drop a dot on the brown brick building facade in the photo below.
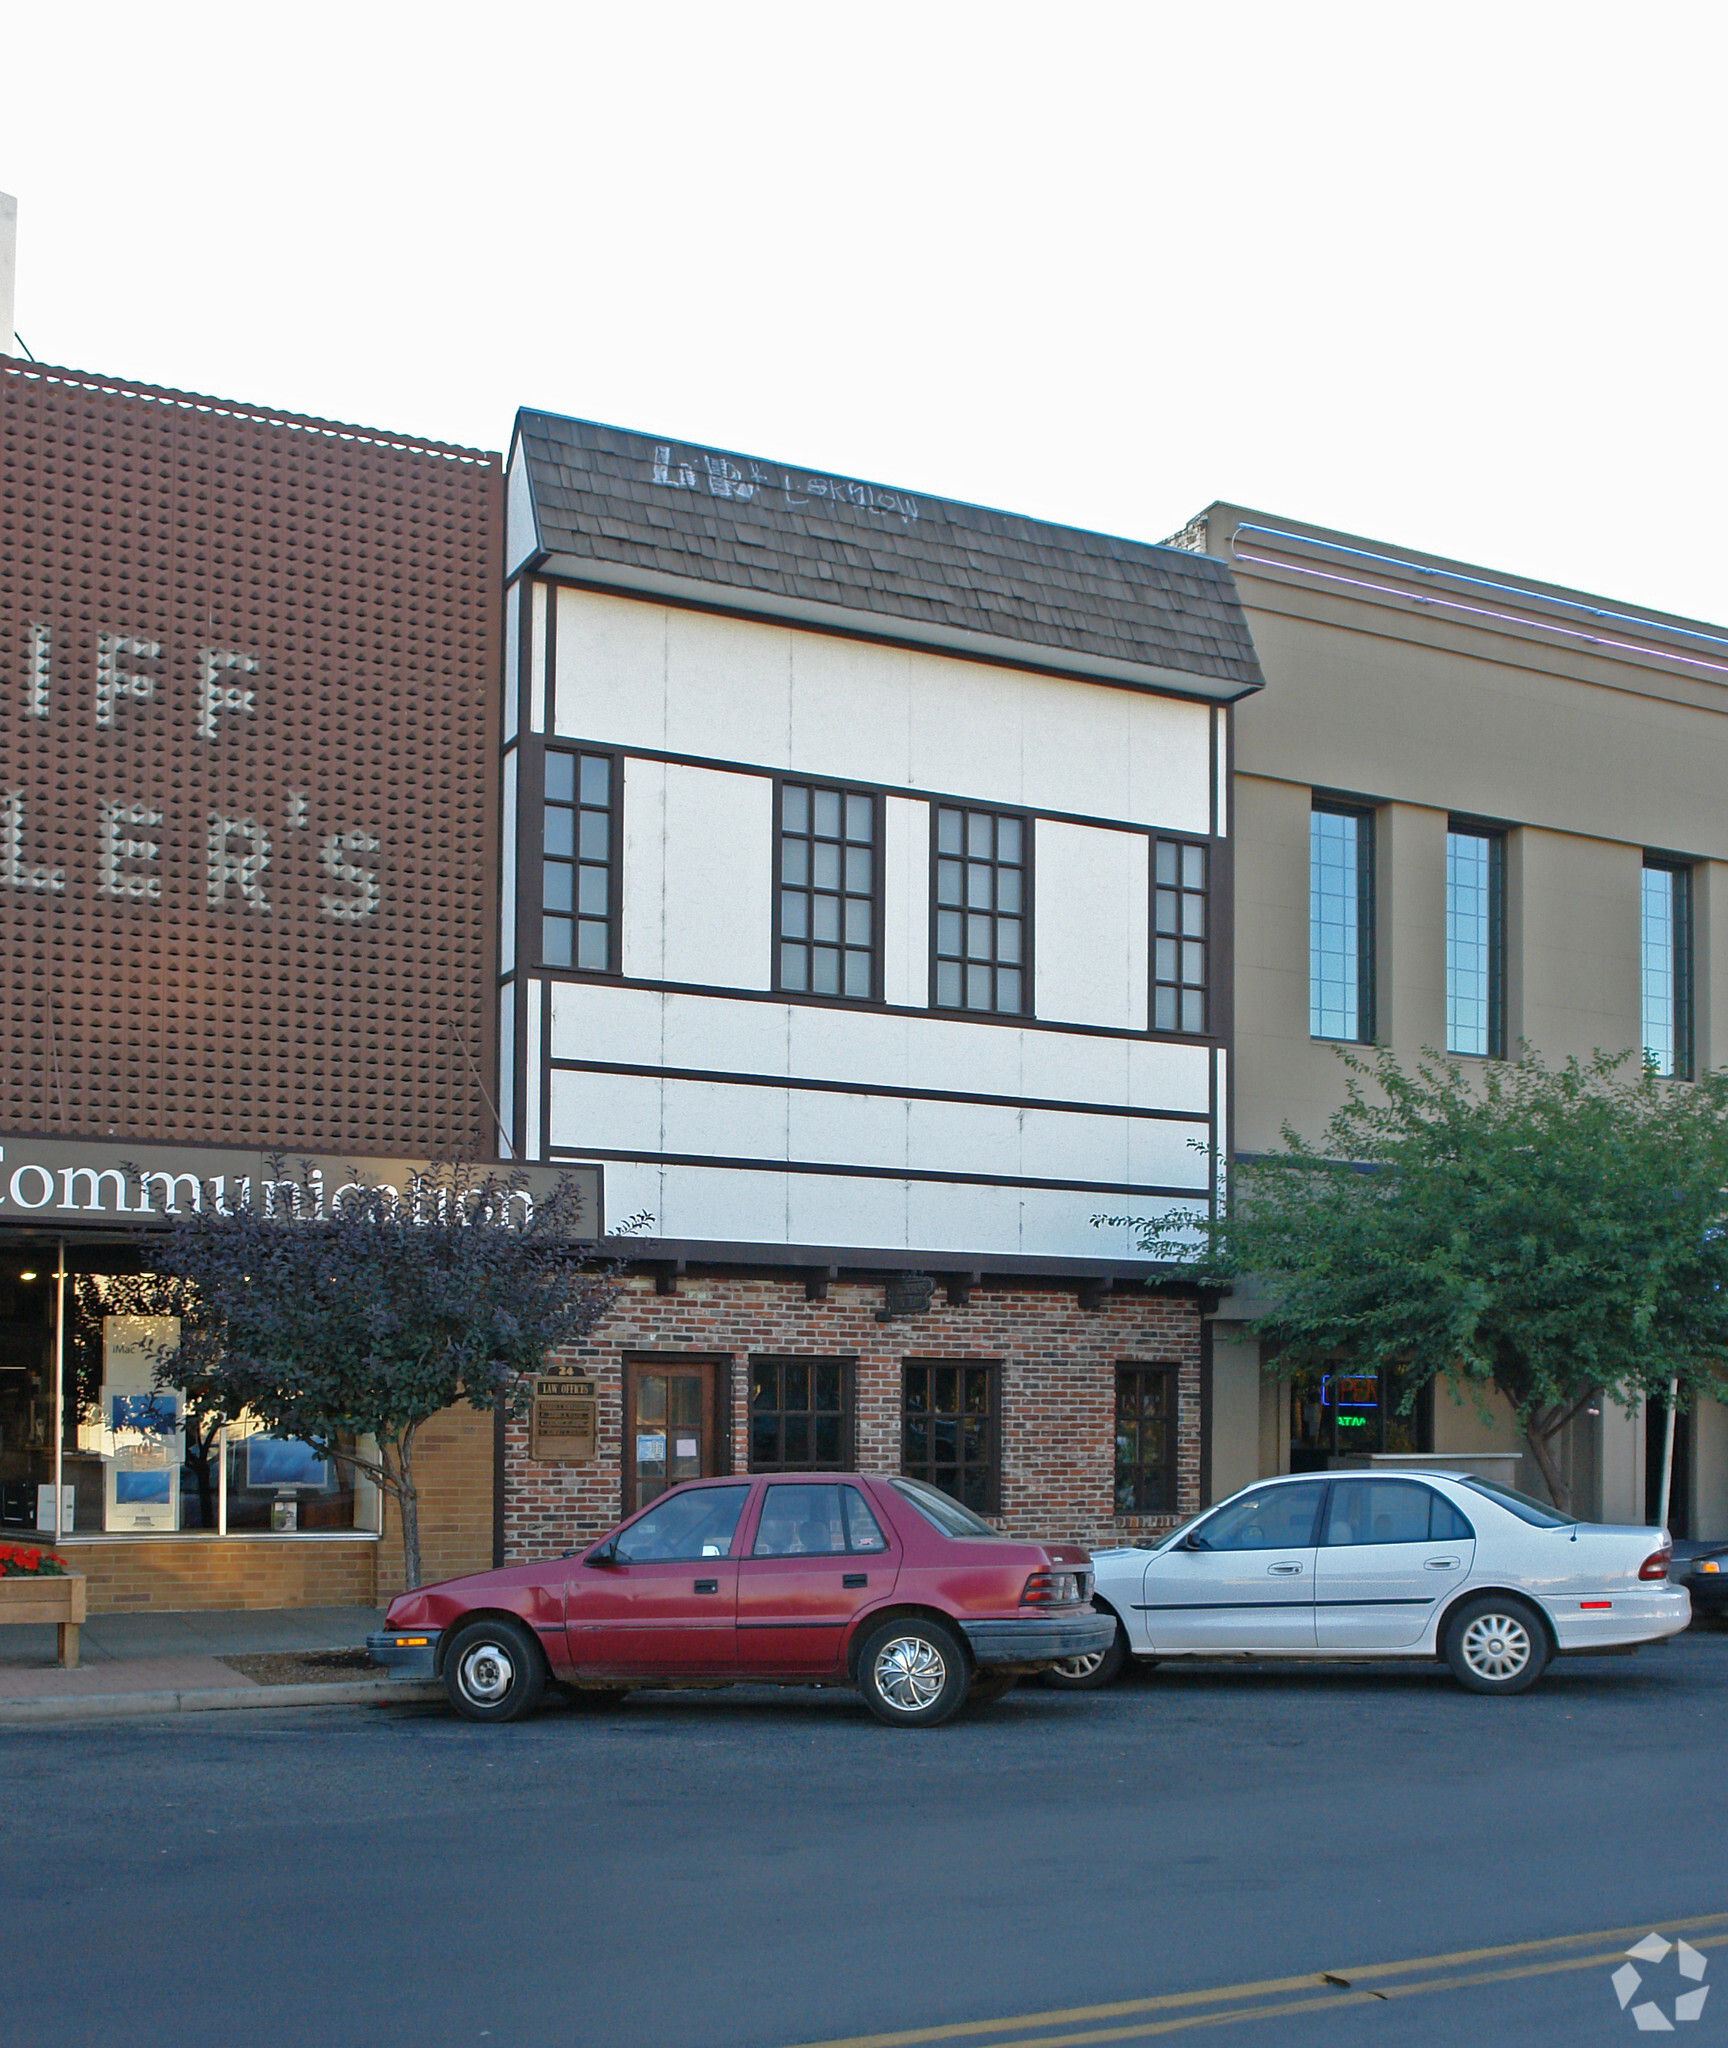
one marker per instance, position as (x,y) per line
(248,885)
(1058,1363)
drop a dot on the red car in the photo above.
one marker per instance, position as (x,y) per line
(838,1578)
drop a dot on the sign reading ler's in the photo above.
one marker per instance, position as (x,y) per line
(81,1182)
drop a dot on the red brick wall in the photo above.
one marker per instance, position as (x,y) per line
(1058,1392)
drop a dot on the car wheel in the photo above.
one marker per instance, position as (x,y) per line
(493,1671)
(1097,1668)
(1495,1643)
(986,1690)
(912,1673)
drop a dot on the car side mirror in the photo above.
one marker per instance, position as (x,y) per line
(1194,1542)
(606,1554)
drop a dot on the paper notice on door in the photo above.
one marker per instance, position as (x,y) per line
(650,1450)
(686,1447)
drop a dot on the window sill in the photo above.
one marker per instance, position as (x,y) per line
(91,1538)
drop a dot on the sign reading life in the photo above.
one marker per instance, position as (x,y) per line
(127,668)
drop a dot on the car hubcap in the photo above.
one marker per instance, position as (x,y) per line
(1496,1646)
(1081,1667)
(486,1673)
(910,1673)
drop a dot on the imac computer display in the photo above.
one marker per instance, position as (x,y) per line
(285,1461)
(149,1488)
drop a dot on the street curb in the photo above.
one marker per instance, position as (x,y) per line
(216,1699)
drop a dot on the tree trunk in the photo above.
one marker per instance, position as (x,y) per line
(1543,1432)
(1544,1428)
(408,1506)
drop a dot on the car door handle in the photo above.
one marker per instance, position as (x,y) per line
(1289,1570)
(1440,1564)
(855,1579)
(707,1585)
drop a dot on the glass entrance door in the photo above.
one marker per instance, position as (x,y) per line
(672,1427)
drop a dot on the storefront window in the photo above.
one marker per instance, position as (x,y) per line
(136,1457)
(1339,1417)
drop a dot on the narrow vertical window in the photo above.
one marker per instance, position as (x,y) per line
(948,1430)
(1146,1439)
(983,910)
(1341,923)
(579,844)
(828,921)
(1667,967)
(1178,936)
(1475,942)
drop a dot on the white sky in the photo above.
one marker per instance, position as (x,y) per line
(1448,276)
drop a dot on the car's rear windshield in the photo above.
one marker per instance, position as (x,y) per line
(1538,1513)
(942,1510)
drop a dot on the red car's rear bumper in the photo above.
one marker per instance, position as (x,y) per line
(1040,1638)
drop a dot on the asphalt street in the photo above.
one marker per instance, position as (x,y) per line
(756,1869)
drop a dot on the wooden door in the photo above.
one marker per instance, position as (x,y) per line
(673,1427)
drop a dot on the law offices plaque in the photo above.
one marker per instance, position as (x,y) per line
(563,1422)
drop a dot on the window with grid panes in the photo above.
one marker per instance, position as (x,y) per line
(1178,936)
(1666,957)
(576,870)
(800,1415)
(827,890)
(983,910)
(1145,1440)
(948,1430)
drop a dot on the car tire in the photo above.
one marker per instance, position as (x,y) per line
(912,1673)
(1091,1673)
(988,1687)
(1497,1643)
(493,1670)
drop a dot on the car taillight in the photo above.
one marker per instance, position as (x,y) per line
(1655,1566)
(1051,1589)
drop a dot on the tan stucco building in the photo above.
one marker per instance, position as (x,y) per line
(1470,809)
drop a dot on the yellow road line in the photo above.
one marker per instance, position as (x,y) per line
(1269,1987)
(1230,2015)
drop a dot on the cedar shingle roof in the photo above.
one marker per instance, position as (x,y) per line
(771,533)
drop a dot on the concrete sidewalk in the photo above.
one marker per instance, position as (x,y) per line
(174,1664)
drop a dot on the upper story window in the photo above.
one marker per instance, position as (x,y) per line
(1666,957)
(1178,936)
(579,881)
(828,897)
(1475,941)
(1341,923)
(983,910)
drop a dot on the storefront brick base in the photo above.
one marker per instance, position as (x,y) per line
(1058,1390)
(175,1573)
(167,1574)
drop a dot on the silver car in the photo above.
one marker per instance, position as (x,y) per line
(1369,1564)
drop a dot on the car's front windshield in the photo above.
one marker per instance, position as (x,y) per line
(1538,1513)
(942,1510)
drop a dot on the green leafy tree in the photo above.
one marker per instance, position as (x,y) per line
(1554,1233)
(350,1324)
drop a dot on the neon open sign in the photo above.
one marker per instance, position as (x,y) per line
(1350,1390)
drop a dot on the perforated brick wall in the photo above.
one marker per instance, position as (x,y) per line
(247,754)
(1058,1392)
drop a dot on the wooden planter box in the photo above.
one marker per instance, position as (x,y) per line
(59,1600)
